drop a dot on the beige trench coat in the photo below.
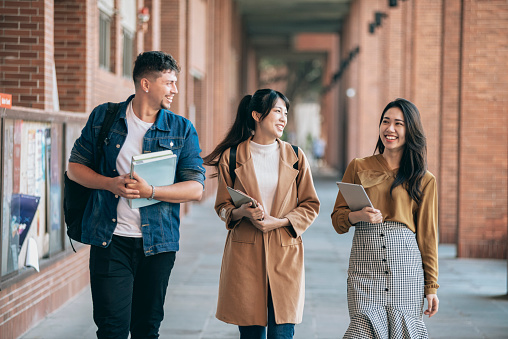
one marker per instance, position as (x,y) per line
(253,259)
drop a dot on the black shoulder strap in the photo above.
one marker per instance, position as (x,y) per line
(295,148)
(232,161)
(109,118)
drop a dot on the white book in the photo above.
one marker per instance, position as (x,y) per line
(157,169)
(151,155)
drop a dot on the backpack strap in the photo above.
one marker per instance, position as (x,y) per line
(295,166)
(295,148)
(232,163)
(109,118)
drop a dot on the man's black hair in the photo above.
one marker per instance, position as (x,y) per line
(150,63)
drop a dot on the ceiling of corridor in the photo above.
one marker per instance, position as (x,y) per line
(271,24)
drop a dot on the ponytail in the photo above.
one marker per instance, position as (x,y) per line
(244,125)
(240,131)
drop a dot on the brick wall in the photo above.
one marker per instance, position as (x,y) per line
(483,142)
(70,54)
(36,36)
(27,302)
(26,52)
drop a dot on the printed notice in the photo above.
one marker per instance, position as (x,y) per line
(5,100)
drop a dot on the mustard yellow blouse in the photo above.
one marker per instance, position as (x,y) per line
(376,177)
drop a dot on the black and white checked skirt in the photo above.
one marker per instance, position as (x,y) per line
(385,286)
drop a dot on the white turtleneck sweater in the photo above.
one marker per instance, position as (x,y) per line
(266,165)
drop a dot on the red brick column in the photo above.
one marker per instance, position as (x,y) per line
(426,57)
(221,54)
(392,82)
(71,54)
(483,140)
(173,20)
(152,35)
(449,120)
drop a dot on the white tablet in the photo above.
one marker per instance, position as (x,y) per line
(355,196)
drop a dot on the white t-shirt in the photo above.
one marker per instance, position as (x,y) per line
(129,220)
(266,166)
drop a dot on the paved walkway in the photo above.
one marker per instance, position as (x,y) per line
(472,294)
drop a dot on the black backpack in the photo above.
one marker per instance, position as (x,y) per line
(232,161)
(76,196)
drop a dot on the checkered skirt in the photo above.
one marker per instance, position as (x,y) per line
(385,283)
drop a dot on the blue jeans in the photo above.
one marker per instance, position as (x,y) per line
(128,288)
(275,331)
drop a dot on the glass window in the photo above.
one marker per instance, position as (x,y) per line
(56,229)
(104,41)
(128,14)
(128,50)
(31,195)
(129,20)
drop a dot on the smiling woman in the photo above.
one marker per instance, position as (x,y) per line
(394,240)
(262,274)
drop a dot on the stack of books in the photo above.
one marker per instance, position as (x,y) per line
(157,168)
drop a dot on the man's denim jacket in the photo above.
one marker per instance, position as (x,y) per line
(159,222)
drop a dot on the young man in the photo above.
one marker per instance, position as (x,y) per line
(133,250)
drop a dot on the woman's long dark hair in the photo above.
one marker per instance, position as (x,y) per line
(413,164)
(262,102)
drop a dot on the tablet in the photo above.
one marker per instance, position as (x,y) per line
(240,198)
(355,196)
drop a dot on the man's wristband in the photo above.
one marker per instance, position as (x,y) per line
(153,193)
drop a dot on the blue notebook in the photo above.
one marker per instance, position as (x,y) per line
(157,168)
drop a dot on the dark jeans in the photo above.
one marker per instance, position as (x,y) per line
(275,331)
(128,289)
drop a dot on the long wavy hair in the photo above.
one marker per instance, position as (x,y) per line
(244,125)
(413,164)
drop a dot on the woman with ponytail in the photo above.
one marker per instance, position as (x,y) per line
(262,282)
(393,264)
